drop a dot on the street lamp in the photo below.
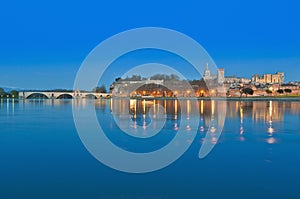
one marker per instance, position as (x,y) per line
(175,93)
(271,89)
(201,93)
(188,92)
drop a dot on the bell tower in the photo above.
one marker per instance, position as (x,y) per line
(206,72)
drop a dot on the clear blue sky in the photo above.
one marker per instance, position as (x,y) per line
(42,43)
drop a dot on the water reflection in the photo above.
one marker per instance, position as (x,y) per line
(265,111)
(265,122)
(269,131)
(268,114)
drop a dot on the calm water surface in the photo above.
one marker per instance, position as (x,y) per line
(257,155)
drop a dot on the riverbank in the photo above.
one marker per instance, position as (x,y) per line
(260,98)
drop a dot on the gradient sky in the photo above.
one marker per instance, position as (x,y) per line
(42,43)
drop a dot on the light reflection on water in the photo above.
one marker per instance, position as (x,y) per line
(268,114)
(259,147)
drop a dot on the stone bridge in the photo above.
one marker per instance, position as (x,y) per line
(63,95)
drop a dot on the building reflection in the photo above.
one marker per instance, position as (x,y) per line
(259,111)
(208,110)
(241,110)
(270,113)
(142,112)
(201,116)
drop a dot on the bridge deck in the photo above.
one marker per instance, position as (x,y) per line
(58,95)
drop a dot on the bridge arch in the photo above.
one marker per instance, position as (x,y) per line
(64,96)
(90,96)
(37,96)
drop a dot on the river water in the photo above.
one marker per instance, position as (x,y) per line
(256,156)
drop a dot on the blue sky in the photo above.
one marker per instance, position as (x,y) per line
(42,43)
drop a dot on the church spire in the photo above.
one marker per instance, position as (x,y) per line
(207,72)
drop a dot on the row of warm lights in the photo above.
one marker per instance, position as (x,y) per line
(7,96)
(175,92)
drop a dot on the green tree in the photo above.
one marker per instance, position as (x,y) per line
(14,93)
(280,91)
(287,90)
(118,79)
(134,78)
(165,77)
(246,91)
(158,77)
(100,89)
(269,91)
(174,77)
(2,91)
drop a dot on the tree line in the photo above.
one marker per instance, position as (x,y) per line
(11,94)
(153,77)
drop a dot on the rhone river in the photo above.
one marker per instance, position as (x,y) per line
(256,156)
